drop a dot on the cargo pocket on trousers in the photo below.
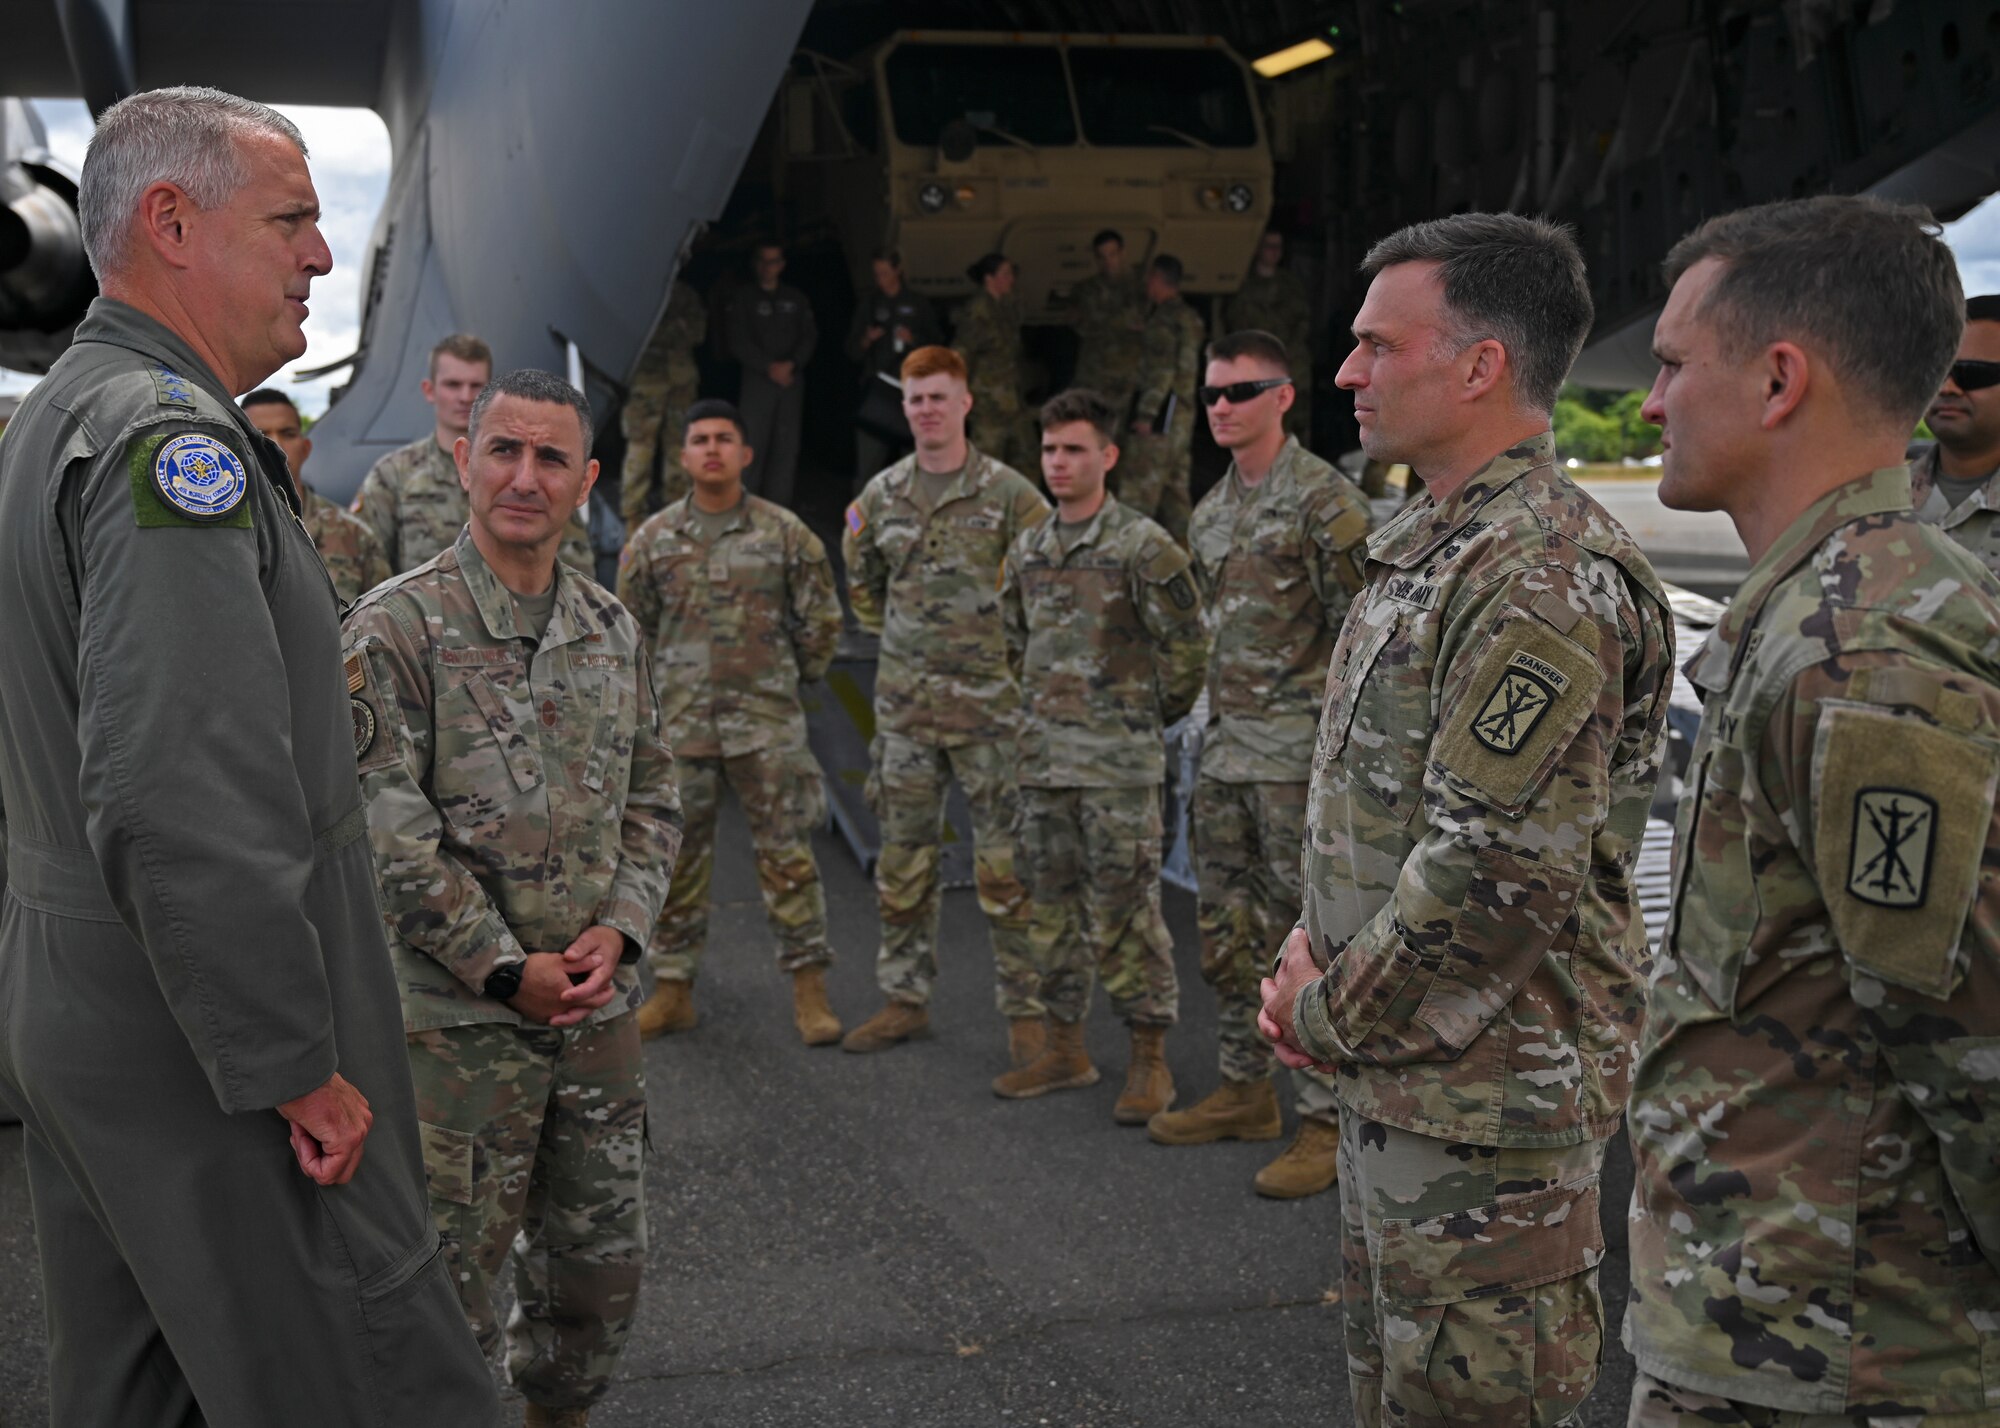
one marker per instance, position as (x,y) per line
(1493,1315)
(448,1161)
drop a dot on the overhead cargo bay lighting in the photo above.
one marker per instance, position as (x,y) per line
(1292,57)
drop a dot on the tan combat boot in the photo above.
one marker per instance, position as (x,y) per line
(897,1021)
(1310,1164)
(669,1009)
(1149,1085)
(1235,1110)
(1062,1066)
(540,1417)
(1026,1038)
(817,1024)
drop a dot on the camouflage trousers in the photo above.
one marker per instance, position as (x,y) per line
(1659,1404)
(906,790)
(1091,860)
(1152,475)
(1247,838)
(652,426)
(1469,1278)
(784,798)
(533,1138)
(1001,427)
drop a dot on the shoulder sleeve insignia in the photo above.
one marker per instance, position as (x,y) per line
(364,726)
(856,521)
(1180,590)
(1902,815)
(1530,692)
(190,479)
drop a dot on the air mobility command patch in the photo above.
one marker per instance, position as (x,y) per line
(192,479)
(364,717)
(1901,809)
(1526,699)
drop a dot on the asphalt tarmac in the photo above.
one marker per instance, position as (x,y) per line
(876,1240)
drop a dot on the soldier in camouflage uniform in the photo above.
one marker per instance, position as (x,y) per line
(1155,473)
(736,597)
(1111,327)
(347,546)
(1279,553)
(923,549)
(1815,1229)
(411,498)
(1955,483)
(522,809)
(1273,300)
(986,332)
(664,384)
(1104,632)
(1469,957)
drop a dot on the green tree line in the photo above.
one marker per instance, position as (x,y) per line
(1602,427)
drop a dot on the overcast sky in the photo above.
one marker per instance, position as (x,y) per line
(350,167)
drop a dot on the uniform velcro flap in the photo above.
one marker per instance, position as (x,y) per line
(1903,814)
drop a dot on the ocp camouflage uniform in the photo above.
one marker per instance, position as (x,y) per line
(1280,306)
(1104,632)
(1816,1215)
(1111,328)
(1974,522)
(986,331)
(519,794)
(737,624)
(1486,756)
(664,385)
(411,499)
(946,705)
(1152,478)
(1277,564)
(347,547)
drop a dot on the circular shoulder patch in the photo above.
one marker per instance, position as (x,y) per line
(199,476)
(364,727)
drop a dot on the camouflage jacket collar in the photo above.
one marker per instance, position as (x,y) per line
(1283,467)
(1928,502)
(1046,538)
(1875,494)
(975,476)
(1423,525)
(571,620)
(683,517)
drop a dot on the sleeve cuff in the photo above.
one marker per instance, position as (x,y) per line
(495,950)
(1311,1027)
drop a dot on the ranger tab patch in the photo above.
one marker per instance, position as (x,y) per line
(1528,688)
(1895,832)
(199,477)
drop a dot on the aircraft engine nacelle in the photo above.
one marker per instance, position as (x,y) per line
(45,282)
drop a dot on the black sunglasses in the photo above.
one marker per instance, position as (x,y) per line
(1240,392)
(1967,374)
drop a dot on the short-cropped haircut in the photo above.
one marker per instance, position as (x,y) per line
(534,385)
(934,362)
(462,345)
(1868,283)
(713,409)
(1081,404)
(1518,281)
(1251,342)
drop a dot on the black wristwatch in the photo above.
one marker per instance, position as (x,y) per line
(503,981)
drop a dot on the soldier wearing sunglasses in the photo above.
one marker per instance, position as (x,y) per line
(1955,484)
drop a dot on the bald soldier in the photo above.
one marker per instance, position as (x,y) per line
(1815,1225)
(346,544)
(198,1018)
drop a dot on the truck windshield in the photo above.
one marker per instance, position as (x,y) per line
(1017,89)
(1146,98)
